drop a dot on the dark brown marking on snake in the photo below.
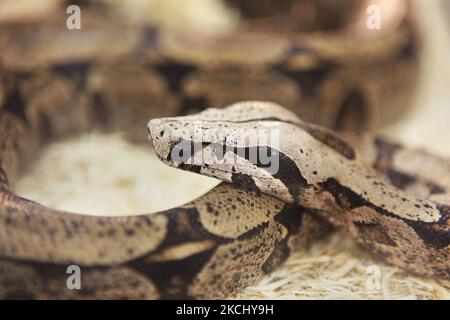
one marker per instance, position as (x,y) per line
(333,141)
(171,283)
(99,110)
(325,136)
(288,172)
(436,189)
(279,254)
(308,81)
(149,39)
(436,235)
(174,73)
(45,128)
(385,151)
(190,167)
(78,72)
(298,49)
(411,49)
(3,179)
(347,199)
(15,103)
(190,105)
(400,179)
(290,175)
(264,119)
(180,225)
(46,273)
(245,181)
(352,115)
(329,138)
(253,232)
(289,214)
(166,275)
(179,149)
(264,9)
(291,217)
(375,232)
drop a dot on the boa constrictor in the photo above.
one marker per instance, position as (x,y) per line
(320,172)
(115,72)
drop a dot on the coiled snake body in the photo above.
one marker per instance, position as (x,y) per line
(122,72)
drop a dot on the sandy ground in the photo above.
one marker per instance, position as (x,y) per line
(110,176)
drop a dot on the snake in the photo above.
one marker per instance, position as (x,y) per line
(319,171)
(115,72)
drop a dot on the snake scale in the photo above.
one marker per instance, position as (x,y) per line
(115,72)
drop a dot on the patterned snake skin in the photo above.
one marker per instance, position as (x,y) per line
(116,73)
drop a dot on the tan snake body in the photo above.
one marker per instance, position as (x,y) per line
(124,73)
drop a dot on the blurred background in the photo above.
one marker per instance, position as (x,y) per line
(426,125)
(98,174)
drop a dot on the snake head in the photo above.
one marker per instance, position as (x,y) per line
(235,144)
(255,144)
(230,126)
